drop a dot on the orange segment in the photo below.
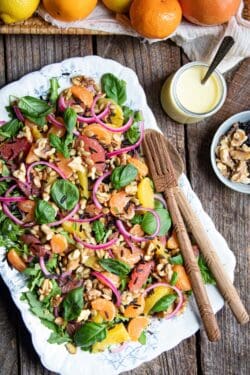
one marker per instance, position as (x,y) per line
(136,308)
(136,326)
(63,165)
(140,165)
(58,244)
(106,308)
(127,255)
(118,202)
(83,94)
(16,261)
(104,136)
(172,242)
(183,282)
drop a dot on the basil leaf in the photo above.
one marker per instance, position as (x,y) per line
(206,274)
(137,219)
(114,88)
(164,303)
(99,230)
(44,212)
(115,266)
(123,175)
(143,338)
(149,224)
(178,259)
(61,145)
(65,194)
(53,94)
(133,134)
(34,107)
(10,129)
(58,338)
(89,334)
(174,278)
(70,118)
(73,304)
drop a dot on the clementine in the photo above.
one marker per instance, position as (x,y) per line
(69,11)
(155,19)
(209,12)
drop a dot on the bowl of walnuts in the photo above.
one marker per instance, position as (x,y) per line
(230,152)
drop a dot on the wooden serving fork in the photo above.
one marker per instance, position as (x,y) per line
(163,174)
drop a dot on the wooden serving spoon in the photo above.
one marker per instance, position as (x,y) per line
(224,284)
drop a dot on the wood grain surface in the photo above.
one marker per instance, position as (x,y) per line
(230,211)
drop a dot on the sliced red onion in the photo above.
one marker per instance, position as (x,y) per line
(14,218)
(65,274)
(160,198)
(44,269)
(179,293)
(128,148)
(130,237)
(109,284)
(111,253)
(96,187)
(122,129)
(7,178)
(65,218)
(7,199)
(18,113)
(102,246)
(50,165)
(51,118)
(89,220)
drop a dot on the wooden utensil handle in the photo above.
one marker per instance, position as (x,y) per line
(224,284)
(192,268)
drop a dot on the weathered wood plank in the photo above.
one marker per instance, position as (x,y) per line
(8,313)
(231,214)
(153,63)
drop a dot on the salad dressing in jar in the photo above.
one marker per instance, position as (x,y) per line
(186,100)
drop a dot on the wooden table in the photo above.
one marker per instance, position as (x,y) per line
(230,211)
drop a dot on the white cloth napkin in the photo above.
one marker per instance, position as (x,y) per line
(199,43)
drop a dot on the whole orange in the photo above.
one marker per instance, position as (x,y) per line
(69,10)
(209,12)
(155,19)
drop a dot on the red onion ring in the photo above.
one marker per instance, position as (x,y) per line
(44,269)
(7,199)
(86,220)
(179,293)
(122,129)
(128,235)
(18,113)
(65,218)
(159,198)
(7,178)
(13,218)
(102,246)
(109,284)
(96,187)
(50,165)
(128,148)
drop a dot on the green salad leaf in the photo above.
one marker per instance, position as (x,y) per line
(149,224)
(73,304)
(61,144)
(114,88)
(99,231)
(10,129)
(177,259)
(34,107)
(44,212)
(174,278)
(58,338)
(143,338)
(123,175)
(206,274)
(164,303)
(38,308)
(65,194)
(53,92)
(89,334)
(115,266)
(70,118)
(133,134)
(137,219)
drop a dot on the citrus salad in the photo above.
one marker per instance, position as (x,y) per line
(81,221)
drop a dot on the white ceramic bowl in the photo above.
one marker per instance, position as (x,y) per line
(223,129)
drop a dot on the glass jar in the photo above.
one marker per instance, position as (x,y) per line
(186,100)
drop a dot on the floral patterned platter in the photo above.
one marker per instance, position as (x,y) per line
(163,335)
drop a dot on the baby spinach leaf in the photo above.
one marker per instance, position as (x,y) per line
(89,334)
(73,304)
(53,93)
(10,129)
(149,222)
(34,107)
(70,118)
(123,175)
(174,278)
(65,194)
(164,303)
(177,259)
(115,266)
(114,88)
(206,274)
(40,121)
(61,144)
(158,204)
(133,134)
(143,338)
(44,212)
(99,230)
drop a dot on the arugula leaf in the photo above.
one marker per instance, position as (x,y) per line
(73,304)
(9,230)
(70,118)
(65,194)
(127,113)
(206,274)
(37,308)
(123,175)
(174,278)
(10,129)
(177,259)
(53,93)
(133,134)
(90,333)
(143,338)
(44,212)
(164,303)
(3,187)
(149,222)
(61,144)
(137,219)
(34,107)
(58,338)
(114,88)
(35,276)
(115,266)
(99,230)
